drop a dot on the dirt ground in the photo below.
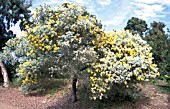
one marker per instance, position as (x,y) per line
(12,98)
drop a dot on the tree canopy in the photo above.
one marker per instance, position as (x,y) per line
(136,25)
(11,12)
(158,40)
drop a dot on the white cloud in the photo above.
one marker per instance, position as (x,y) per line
(162,2)
(115,21)
(104,2)
(80,1)
(51,2)
(146,11)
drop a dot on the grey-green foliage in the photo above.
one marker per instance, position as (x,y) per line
(158,40)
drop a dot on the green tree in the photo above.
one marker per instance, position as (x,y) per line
(136,25)
(11,12)
(158,40)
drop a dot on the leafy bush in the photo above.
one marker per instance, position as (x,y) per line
(123,58)
(22,56)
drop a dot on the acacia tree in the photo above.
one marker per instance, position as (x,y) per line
(136,25)
(11,12)
(64,33)
(123,59)
(59,36)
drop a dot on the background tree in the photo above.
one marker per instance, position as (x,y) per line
(156,37)
(136,25)
(158,40)
(11,12)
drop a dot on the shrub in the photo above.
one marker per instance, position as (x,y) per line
(123,58)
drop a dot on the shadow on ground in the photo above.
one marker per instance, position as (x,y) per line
(85,103)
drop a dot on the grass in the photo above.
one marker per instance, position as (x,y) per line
(53,85)
(162,84)
(164,88)
(46,86)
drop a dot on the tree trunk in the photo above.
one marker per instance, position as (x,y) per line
(74,89)
(5,74)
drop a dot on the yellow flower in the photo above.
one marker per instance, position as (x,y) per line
(46,37)
(94,98)
(32,51)
(142,79)
(158,74)
(49,26)
(94,74)
(56,48)
(26,78)
(92,85)
(93,41)
(35,13)
(27,54)
(150,55)
(88,71)
(23,19)
(139,70)
(21,71)
(48,47)
(93,78)
(125,82)
(23,81)
(79,39)
(52,35)
(26,26)
(101,73)
(139,77)
(131,52)
(118,54)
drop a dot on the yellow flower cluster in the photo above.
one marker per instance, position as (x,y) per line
(52,29)
(122,57)
(26,71)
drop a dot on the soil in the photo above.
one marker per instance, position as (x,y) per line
(13,98)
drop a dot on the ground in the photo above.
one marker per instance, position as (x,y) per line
(13,98)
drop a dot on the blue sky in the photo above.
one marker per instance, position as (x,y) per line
(114,14)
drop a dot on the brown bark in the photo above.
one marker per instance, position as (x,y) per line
(74,89)
(5,74)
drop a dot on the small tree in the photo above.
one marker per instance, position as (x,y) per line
(59,36)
